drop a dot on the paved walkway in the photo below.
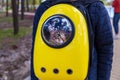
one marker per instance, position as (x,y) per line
(116,60)
(25,13)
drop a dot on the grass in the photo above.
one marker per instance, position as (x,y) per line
(8,33)
(6,19)
(8,39)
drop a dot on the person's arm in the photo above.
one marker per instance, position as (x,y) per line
(103,43)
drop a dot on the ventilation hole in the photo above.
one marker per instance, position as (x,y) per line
(69,71)
(56,71)
(43,69)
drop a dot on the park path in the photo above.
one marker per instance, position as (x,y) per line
(116,59)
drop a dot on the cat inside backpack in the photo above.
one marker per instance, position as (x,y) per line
(59,31)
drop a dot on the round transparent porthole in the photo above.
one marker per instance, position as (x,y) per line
(57,31)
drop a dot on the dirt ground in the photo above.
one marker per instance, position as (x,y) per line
(15,59)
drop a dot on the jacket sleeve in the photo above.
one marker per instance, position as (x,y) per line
(103,42)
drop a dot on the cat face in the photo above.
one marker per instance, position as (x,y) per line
(57,37)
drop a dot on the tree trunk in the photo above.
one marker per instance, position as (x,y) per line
(18,1)
(34,2)
(27,5)
(6,7)
(15,17)
(22,9)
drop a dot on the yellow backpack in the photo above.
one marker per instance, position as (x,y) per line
(61,42)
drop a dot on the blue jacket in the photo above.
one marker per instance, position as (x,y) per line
(100,68)
(103,43)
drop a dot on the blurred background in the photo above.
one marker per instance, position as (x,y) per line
(16,23)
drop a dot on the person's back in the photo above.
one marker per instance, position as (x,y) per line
(116,5)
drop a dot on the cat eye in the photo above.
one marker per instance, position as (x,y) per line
(57,31)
